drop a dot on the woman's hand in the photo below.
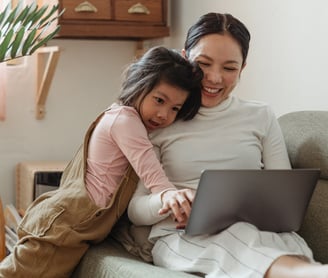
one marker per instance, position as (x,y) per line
(178,202)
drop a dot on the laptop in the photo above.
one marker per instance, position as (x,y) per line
(272,200)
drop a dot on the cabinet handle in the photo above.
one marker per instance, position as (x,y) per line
(86,7)
(138,9)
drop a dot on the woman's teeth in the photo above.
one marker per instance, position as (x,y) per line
(211,91)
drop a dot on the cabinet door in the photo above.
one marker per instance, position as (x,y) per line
(86,10)
(114,19)
(139,11)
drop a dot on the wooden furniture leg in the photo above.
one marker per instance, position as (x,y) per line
(2,234)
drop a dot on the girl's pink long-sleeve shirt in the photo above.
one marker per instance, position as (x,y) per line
(121,138)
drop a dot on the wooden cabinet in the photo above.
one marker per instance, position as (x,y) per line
(114,19)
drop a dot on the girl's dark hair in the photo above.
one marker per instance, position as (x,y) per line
(161,64)
(216,23)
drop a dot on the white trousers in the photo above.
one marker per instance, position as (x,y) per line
(241,251)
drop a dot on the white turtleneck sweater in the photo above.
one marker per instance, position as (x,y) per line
(236,134)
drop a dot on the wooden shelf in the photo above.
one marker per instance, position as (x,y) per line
(112,31)
(46,67)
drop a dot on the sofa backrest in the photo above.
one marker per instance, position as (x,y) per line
(306,136)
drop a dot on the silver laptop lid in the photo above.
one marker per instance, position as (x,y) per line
(273,200)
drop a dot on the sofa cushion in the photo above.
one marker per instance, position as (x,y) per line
(110,259)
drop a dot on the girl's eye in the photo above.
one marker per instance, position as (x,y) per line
(159,100)
(176,109)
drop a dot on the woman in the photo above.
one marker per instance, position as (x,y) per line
(226,133)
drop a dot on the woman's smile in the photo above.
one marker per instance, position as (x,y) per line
(213,91)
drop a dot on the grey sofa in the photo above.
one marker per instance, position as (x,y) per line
(306,135)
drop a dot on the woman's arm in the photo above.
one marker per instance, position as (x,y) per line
(144,207)
(275,154)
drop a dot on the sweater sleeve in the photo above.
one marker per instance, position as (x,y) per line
(131,136)
(144,206)
(275,154)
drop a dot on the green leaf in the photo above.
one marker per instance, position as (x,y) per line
(45,40)
(32,10)
(10,19)
(51,12)
(39,13)
(22,15)
(52,19)
(3,15)
(4,45)
(38,37)
(17,42)
(28,42)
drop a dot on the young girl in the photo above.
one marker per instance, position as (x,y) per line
(96,186)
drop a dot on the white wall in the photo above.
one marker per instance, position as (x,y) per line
(287,63)
(286,68)
(86,81)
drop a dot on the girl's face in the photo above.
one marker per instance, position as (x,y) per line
(220,58)
(160,106)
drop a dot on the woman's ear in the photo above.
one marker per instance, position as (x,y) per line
(183,53)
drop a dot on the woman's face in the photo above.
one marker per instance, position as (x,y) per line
(220,58)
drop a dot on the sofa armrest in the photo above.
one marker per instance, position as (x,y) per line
(306,136)
(315,225)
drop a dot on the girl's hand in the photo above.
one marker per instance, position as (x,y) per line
(178,202)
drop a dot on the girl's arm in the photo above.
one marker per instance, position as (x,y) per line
(131,136)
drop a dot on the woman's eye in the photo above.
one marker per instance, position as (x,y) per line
(176,109)
(204,64)
(230,69)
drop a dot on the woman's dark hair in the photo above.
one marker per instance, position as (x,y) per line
(216,23)
(160,64)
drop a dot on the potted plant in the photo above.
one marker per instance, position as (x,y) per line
(25,28)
